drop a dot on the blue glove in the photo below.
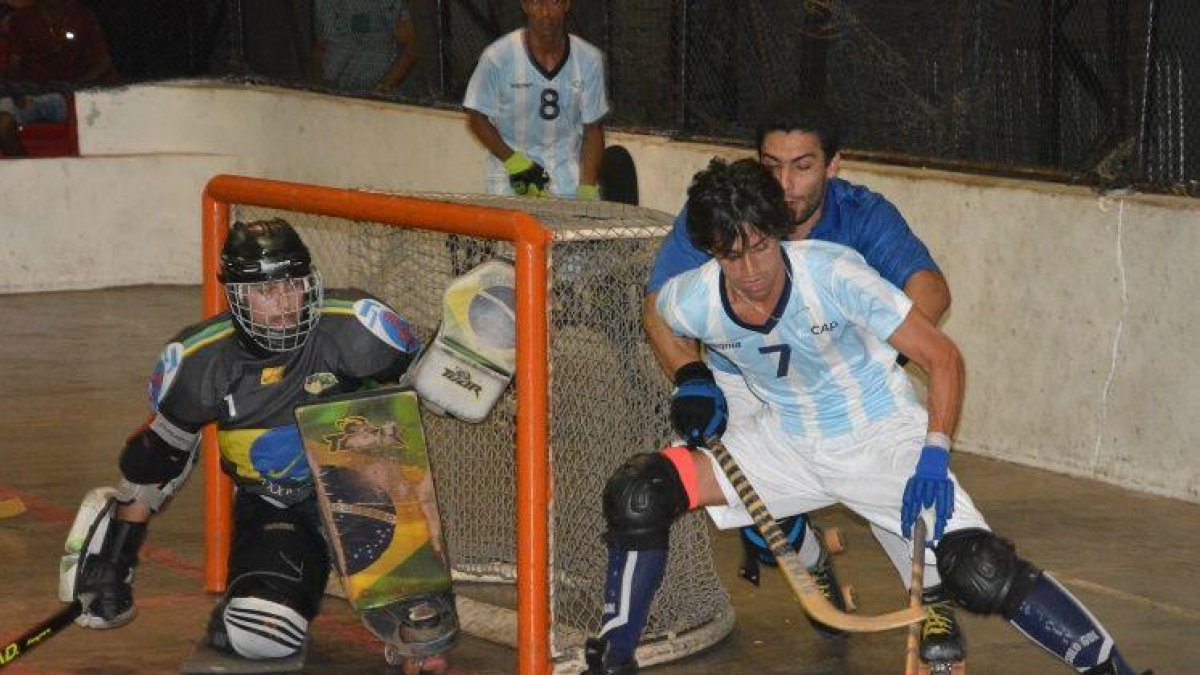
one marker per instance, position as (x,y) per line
(930,485)
(698,407)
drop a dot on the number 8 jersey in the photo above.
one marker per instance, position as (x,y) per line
(539,113)
(824,368)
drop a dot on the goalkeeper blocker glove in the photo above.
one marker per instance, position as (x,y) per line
(698,407)
(526,176)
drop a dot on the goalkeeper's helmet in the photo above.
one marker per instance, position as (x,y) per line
(274,290)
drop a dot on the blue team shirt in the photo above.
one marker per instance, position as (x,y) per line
(825,368)
(853,215)
(536,112)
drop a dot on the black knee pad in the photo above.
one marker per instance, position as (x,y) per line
(278,554)
(982,572)
(641,500)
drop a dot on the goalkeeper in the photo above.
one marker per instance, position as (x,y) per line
(536,101)
(283,342)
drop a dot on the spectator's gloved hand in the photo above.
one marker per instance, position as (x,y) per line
(526,176)
(698,407)
(929,486)
(588,193)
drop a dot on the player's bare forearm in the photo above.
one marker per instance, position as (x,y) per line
(402,65)
(927,346)
(930,293)
(947,377)
(487,134)
(400,69)
(591,153)
(671,350)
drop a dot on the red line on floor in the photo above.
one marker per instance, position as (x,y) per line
(48,512)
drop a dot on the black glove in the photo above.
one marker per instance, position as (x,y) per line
(106,582)
(526,176)
(698,407)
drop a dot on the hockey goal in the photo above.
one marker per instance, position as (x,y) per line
(519,492)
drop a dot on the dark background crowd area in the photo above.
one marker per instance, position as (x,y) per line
(1099,92)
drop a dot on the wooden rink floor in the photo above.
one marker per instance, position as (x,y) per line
(74,368)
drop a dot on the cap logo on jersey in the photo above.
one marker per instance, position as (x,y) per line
(271,375)
(164,373)
(385,324)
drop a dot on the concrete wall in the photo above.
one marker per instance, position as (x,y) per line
(1073,310)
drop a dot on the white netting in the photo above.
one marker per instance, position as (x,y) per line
(608,400)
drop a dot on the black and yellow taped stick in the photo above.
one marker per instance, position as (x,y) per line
(811,599)
(37,635)
(912,644)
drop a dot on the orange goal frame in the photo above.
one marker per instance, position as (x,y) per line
(530,242)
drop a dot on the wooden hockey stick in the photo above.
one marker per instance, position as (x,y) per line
(35,636)
(811,598)
(912,645)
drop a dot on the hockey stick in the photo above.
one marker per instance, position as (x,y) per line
(811,598)
(35,636)
(912,644)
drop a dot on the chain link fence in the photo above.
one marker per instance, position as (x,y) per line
(1099,92)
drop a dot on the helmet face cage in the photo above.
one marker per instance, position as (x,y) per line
(277,314)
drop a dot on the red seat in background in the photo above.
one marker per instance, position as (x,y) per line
(44,139)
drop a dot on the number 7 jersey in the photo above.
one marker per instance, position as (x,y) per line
(824,368)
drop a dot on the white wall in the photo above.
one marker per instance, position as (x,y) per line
(1074,310)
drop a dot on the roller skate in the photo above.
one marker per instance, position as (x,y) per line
(943,645)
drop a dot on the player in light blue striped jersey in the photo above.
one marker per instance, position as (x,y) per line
(536,101)
(815,331)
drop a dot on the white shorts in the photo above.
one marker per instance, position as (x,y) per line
(865,470)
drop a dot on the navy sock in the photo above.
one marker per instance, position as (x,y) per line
(1053,618)
(633,579)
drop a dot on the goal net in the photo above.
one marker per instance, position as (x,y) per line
(607,400)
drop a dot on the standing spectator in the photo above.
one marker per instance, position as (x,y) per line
(535,101)
(53,43)
(367,45)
